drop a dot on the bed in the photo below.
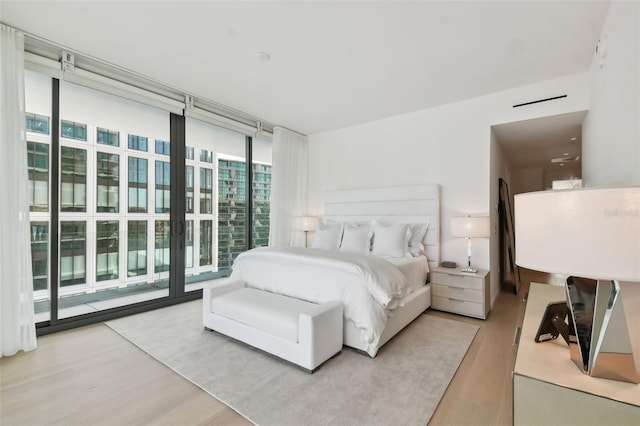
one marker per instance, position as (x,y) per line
(381,294)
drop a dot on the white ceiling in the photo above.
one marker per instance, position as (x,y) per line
(333,64)
(533,143)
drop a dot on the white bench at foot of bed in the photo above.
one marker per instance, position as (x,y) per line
(303,333)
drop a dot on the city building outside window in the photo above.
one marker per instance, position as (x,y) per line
(162,255)
(189,153)
(206,156)
(108,137)
(107,249)
(136,248)
(73,185)
(73,251)
(163,187)
(38,166)
(189,189)
(108,182)
(37,123)
(71,130)
(188,243)
(40,254)
(138,143)
(163,147)
(231,211)
(206,191)
(206,242)
(137,182)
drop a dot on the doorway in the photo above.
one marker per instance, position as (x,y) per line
(532,155)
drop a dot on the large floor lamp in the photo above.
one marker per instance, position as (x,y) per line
(593,235)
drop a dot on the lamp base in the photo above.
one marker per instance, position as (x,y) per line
(469,268)
(605,347)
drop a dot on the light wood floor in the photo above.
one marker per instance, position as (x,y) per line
(92,376)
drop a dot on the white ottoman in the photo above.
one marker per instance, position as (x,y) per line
(304,333)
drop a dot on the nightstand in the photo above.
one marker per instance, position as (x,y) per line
(460,292)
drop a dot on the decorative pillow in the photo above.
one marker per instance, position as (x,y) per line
(356,238)
(418,231)
(328,236)
(391,240)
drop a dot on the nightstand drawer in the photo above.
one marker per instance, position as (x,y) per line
(460,293)
(458,280)
(458,306)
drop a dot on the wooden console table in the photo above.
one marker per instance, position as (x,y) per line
(549,389)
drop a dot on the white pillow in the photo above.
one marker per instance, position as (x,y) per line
(356,238)
(391,240)
(328,236)
(418,231)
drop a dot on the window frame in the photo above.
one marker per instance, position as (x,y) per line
(92,218)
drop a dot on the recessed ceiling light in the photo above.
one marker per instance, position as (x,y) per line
(263,56)
(566,153)
(561,164)
(573,138)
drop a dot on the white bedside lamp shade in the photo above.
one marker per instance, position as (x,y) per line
(470,227)
(306,224)
(590,233)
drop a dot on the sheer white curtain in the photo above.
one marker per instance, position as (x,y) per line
(17,324)
(289,180)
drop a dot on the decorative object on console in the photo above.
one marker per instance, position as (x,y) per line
(573,183)
(594,234)
(306,224)
(470,227)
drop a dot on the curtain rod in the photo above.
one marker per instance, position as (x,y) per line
(292,131)
(52,48)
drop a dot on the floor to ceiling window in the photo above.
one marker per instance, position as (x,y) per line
(38,117)
(215,219)
(261,191)
(102,196)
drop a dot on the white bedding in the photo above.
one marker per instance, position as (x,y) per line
(368,286)
(415,270)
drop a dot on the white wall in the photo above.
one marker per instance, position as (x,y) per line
(527,180)
(448,145)
(611,129)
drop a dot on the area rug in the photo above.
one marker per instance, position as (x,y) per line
(401,386)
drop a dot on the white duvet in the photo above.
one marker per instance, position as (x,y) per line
(367,286)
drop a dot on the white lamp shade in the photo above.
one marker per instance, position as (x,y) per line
(591,233)
(305,223)
(470,227)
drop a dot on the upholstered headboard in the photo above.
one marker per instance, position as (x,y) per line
(397,204)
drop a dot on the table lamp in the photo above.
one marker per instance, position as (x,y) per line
(306,224)
(593,235)
(470,227)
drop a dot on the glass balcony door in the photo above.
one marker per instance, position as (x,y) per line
(133,207)
(114,202)
(215,201)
